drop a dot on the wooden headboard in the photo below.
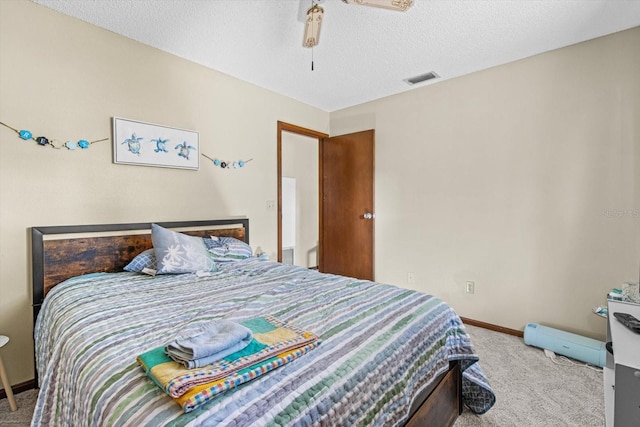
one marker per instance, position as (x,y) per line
(61,252)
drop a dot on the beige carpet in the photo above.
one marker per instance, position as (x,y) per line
(531,391)
(26,401)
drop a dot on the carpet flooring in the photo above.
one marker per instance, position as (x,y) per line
(531,390)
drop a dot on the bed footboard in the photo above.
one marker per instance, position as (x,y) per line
(444,404)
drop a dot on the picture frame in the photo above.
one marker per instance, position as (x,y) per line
(147,144)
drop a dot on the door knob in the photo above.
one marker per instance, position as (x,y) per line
(369,215)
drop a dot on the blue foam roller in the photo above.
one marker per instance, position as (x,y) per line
(567,344)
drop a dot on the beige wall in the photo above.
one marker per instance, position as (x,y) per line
(524,178)
(65,79)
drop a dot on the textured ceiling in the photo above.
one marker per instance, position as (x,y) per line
(364,52)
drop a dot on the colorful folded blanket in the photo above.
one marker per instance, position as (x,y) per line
(272,339)
(200,394)
(206,344)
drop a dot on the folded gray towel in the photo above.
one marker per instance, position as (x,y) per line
(201,346)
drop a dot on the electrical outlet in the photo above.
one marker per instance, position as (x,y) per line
(271,205)
(470,287)
(411,277)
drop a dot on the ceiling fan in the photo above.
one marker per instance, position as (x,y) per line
(315,14)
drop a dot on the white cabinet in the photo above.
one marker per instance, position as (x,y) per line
(622,370)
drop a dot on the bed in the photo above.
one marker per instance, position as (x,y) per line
(388,356)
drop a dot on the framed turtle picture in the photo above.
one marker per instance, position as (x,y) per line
(147,144)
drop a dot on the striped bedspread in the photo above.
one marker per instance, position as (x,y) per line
(381,345)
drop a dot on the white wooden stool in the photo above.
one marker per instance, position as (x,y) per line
(5,380)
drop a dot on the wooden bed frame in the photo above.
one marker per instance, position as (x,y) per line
(62,252)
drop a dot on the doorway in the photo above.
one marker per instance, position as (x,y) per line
(300,200)
(346,216)
(298,195)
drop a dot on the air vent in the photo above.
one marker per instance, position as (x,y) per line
(421,78)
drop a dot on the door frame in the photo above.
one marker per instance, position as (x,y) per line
(287,127)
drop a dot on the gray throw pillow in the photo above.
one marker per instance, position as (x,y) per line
(180,253)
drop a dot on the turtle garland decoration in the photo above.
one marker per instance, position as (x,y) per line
(44,141)
(133,144)
(225,164)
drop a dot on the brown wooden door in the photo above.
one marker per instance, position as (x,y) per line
(347,189)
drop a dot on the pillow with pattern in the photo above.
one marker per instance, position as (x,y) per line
(144,260)
(180,253)
(225,249)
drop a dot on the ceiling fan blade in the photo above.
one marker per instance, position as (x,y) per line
(400,5)
(312,26)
